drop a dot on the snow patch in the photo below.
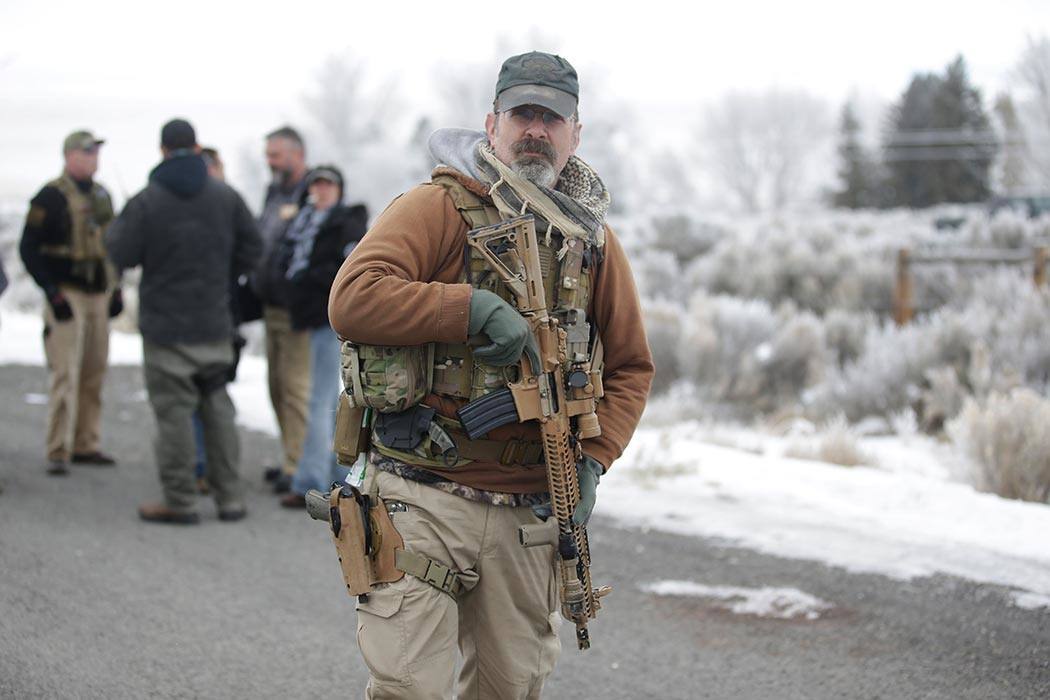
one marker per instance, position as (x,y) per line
(1031,601)
(779,603)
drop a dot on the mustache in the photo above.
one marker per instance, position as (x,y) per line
(531,146)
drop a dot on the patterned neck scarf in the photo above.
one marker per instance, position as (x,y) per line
(576,207)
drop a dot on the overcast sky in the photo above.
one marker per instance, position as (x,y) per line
(239,69)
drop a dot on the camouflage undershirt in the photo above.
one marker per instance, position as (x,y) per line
(429,478)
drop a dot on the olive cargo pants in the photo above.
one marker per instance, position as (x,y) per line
(175,378)
(288,369)
(77,351)
(504,623)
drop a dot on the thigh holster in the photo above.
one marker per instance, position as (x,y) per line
(372,551)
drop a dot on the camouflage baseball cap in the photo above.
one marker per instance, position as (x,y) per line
(81,141)
(538,78)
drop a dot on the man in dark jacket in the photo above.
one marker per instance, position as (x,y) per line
(62,250)
(189,232)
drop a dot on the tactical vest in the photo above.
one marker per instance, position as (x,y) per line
(568,267)
(567,282)
(89,215)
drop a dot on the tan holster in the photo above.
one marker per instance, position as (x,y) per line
(365,539)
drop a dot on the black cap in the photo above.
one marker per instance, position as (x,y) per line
(538,78)
(176,134)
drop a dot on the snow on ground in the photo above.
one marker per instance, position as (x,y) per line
(864,519)
(780,603)
(902,518)
(21,344)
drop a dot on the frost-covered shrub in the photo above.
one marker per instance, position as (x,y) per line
(663,326)
(844,333)
(685,237)
(657,274)
(796,360)
(942,397)
(723,346)
(1008,441)
(743,354)
(883,380)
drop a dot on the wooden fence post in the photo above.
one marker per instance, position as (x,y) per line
(1039,275)
(902,293)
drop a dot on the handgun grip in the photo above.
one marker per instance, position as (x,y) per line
(318,506)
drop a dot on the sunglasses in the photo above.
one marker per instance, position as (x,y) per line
(526,113)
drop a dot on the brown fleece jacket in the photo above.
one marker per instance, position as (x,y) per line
(401,286)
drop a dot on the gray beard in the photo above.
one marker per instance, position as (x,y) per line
(537,171)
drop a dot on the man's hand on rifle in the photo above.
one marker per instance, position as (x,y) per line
(506,329)
(589,471)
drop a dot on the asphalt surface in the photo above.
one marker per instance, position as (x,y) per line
(95,604)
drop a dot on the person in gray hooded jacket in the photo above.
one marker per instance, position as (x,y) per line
(189,233)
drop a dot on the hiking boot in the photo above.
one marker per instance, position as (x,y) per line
(283,484)
(96,458)
(231,514)
(57,467)
(160,513)
(293,500)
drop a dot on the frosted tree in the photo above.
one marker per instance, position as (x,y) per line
(759,147)
(1033,76)
(352,118)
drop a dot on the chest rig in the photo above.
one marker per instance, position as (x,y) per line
(89,215)
(568,266)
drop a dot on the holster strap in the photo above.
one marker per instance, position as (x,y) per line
(426,569)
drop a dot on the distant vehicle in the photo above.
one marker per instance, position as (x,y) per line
(1031,205)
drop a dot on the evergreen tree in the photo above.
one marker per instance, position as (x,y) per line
(938,147)
(855,167)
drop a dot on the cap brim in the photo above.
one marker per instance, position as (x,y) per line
(558,101)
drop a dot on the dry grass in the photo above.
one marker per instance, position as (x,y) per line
(1008,440)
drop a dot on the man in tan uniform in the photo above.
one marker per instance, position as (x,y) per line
(412,280)
(287,349)
(62,249)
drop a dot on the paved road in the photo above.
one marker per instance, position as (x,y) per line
(95,604)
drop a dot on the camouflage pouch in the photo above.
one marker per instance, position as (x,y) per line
(387,378)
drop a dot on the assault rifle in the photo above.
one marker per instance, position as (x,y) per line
(553,388)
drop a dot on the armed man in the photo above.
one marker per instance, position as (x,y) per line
(62,249)
(429,307)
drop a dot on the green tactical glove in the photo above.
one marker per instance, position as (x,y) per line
(507,330)
(589,471)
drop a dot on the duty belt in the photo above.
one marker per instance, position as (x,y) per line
(502,451)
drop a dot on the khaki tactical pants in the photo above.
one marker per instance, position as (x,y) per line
(77,351)
(504,623)
(288,367)
(175,395)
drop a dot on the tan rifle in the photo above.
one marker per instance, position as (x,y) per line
(544,393)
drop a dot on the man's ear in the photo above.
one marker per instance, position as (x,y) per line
(490,126)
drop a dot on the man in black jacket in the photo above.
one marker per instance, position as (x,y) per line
(62,250)
(189,232)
